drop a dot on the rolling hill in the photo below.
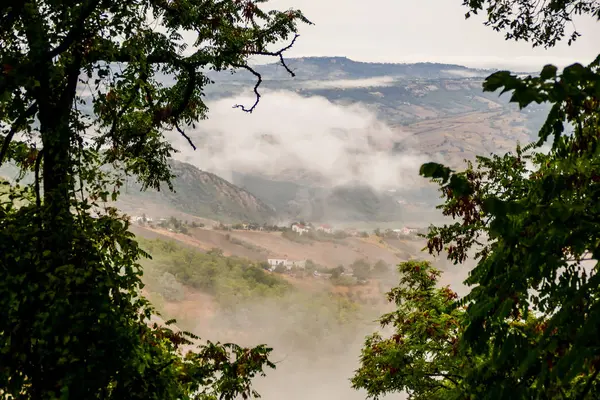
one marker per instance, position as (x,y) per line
(202,194)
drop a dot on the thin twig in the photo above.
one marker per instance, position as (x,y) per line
(279,54)
(185,136)
(256,86)
(258,76)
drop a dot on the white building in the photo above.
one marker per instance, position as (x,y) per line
(406,231)
(300,228)
(288,264)
(274,262)
(325,228)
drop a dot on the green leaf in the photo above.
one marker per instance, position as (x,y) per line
(435,171)
(548,72)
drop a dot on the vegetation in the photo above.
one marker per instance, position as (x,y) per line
(175,225)
(245,244)
(202,194)
(361,269)
(315,235)
(528,328)
(420,356)
(72,321)
(228,279)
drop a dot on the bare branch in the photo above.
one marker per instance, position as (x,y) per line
(256,86)
(279,54)
(185,136)
(258,76)
(16,126)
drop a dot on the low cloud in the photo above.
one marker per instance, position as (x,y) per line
(293,136)
(348,83)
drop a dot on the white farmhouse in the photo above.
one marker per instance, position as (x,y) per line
(274,262)
(300,228)
(288,264)
(325,228)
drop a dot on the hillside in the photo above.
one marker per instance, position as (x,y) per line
(259,246)
(295,201)
(201,194)
(326,68)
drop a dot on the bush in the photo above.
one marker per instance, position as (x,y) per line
(211,272)
(343,280)
(170,288)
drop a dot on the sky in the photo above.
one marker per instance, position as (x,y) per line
(423,30)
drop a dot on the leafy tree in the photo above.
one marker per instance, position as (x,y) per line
(381,268)
(337,271)
(541,23)
(421,356)
(72,321)
(280,269)
(361,269)
(530,219)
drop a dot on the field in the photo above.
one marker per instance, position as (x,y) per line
(461,137)
(259,246)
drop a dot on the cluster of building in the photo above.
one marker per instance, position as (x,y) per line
(142,219)
(301,228)
(405,231)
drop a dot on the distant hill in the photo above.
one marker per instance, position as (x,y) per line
(326,68)
(398,93)
(339,204)
(202,194)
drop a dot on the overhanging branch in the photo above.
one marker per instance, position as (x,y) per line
(256,86)
(16,126)
(185,136)
(258,76)
(78,29)
(279,54)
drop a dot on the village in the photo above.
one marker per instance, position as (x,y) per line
(303,232)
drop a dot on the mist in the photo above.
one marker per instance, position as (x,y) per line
(315,353)
(294,137)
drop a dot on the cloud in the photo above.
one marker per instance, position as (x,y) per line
(348,83)
(290,135)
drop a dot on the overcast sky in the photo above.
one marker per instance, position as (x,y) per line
(422,30)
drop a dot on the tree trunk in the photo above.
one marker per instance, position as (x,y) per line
(57,180)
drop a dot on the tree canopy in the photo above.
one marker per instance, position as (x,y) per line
(530,218)
(543,23)
(72,321)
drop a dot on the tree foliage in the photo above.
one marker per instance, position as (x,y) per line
(361,268)
(72,321)
(421,355)
(543,23)
(530,219)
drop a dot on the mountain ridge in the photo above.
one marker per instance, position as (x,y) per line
(325,68)
(203,194)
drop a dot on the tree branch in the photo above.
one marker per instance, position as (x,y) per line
(258,76)
(256,86)
(279,54)
(185,136)
(74,34)
(16,126)
(38,160)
